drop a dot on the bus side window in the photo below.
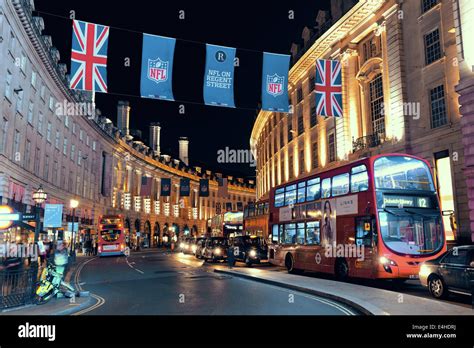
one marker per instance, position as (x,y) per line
(363,233)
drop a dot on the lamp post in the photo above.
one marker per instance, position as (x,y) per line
(39,196)
(73,204)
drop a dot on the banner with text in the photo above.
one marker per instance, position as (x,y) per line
(157,67)
(165,187)
(275,82)
(219,76)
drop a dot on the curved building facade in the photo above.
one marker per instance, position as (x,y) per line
(398,79)
(55,137)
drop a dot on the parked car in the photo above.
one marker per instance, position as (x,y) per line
(250,249)
(451,272)
(185,245)
(215,249)
(193,245)
(200,245)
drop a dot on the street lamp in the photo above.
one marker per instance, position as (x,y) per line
(39,196)
(73,204)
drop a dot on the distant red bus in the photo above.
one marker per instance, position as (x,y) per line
(377,217)
(256,219)
(111,235)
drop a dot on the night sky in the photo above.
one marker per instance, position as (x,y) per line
(250,26)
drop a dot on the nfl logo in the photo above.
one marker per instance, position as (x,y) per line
(157,70)
(275,85)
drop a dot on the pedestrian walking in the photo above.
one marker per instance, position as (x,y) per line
(94,247)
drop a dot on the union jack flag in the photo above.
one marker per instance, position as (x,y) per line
(328,88)
(89,56)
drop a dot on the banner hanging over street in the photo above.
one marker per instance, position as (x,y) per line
(275,82)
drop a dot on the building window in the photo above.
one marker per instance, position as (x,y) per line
(42,92)
(315,158)
(16,144)
(57,139)
(63,178)
(33,79)
(432,47)
(26,162)
(37,160)
(74,128)
(438,107)
(51,103)
(299,95)
(19,102)
(4,134)
(313,119)
(79,157)
(30,112)
(290,128)
(48,132)
(311,84)
(65,146)
(40,123)
(66,121)
(428,5)
(301,162)
(73,152)
(282,140)
(376,105)
(332,147)
(8,85)
(46,168)
(372,48)
(23,63)
(81,134)
(290,166)
(300,121)
(70,182)
(55,173)
(12,44)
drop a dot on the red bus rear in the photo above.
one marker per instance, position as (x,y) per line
(111,232)
(377,217)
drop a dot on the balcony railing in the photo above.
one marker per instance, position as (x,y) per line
(366,142)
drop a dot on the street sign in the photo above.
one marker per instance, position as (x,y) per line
(53,215)
(28,217)
(9,217)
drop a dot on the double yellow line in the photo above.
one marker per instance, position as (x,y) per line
(100,300)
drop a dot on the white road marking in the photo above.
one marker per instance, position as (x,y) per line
(130,265)
(100,300)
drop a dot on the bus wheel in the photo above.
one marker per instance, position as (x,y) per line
(437,287)
(290,265)
(341,269)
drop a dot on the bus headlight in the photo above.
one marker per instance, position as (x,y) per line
(385,261)
(217,251)
(252,253)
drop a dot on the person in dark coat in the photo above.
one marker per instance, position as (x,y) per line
(230,256)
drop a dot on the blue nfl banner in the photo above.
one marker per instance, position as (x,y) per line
(184,188)
(219,76)
(165,187)
(204,187)
(157,67)
(275,82)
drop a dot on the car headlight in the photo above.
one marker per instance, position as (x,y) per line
(181,245)
(194,248)
(385,261)
(253,253)
(217,251)
(424,271)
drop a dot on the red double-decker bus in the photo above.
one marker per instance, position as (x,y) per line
(377,217)
(111,239)
(256,219)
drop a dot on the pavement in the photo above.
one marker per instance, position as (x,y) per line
(367,300)
(57,306)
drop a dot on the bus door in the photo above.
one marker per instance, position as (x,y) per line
(366,248)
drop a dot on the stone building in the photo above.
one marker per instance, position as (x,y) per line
(55,137)
(399,77)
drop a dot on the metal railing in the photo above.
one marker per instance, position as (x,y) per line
(18,286)
(365,142)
